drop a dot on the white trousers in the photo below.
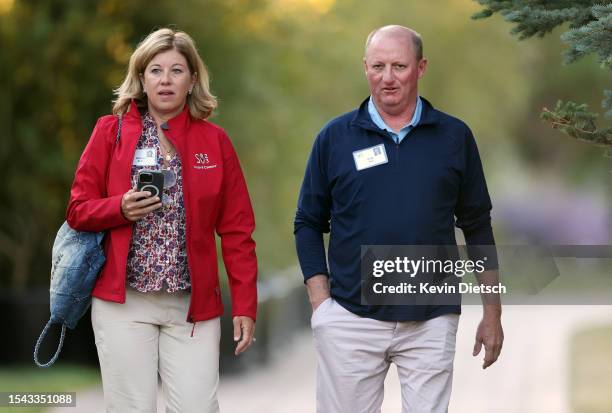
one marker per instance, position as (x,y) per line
(149,336)
(354,354)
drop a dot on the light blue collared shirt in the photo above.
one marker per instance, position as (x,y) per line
(397,137)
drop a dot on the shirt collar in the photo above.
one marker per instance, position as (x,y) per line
(175,126)
(378,120)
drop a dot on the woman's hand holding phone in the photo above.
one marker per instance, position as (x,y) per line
(137,204)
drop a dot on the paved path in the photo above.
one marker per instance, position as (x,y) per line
(531,376)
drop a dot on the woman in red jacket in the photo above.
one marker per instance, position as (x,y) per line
(157,300)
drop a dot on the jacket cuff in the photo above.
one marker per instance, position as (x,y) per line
(309,275)
(245,313)
(118,219)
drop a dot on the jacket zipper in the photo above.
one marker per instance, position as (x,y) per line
(129,179)
(397,144)
(187,229)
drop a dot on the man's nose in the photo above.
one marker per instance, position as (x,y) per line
(387,75)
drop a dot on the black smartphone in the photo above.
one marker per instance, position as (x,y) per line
(151,181)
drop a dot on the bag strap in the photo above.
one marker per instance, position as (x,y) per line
(119,129)
(39,342)
(110,155)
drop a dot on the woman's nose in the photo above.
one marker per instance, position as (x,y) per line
(166,77)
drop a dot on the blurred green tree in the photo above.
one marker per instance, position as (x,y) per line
(60,61)
(590,32)
(46,46)
(281,69)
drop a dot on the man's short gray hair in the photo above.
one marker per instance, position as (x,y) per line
(417,42)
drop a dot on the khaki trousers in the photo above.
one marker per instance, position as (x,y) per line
(149,336)
(354,354)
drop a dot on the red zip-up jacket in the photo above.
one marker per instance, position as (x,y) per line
(215,198)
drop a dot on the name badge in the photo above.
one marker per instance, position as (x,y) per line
(145,157)
(369,157)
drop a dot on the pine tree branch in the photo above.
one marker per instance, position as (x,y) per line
(560,121)
(576,121)
(538,18)
(590,31)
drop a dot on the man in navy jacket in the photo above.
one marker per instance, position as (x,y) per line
(395,171)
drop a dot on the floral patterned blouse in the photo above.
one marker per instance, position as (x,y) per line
(157,257)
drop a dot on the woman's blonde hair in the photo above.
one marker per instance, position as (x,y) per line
(201,102)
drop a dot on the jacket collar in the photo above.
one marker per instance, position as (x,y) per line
(429,116)
(177,125)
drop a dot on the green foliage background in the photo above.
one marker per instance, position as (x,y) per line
(589,32)
(281,69)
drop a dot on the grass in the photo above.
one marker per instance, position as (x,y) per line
(591,371)
(65,378)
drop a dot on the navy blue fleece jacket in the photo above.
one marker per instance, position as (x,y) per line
(433,180)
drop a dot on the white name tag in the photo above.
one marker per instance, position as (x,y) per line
(145,157)
(369,157)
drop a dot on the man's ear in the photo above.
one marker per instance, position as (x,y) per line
(422,66)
